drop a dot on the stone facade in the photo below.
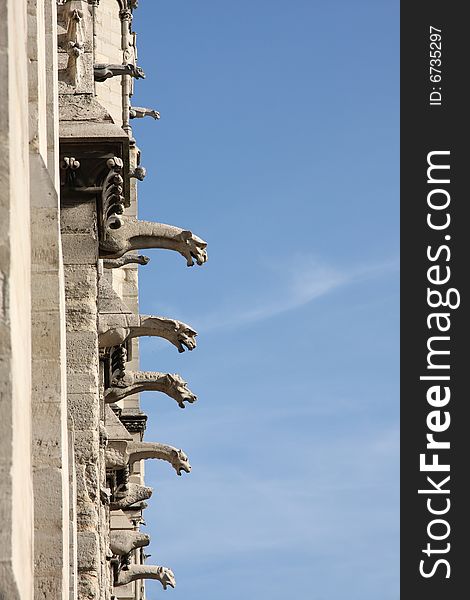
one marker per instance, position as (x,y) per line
(72,488)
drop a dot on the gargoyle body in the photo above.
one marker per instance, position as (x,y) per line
(162,574)
(127,259)
(134,382)
(114,329)
(122,542)
(138,112)
(121,457)
(134,493)
(137,235)
(103,71)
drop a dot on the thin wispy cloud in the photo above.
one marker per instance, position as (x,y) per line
(291,284)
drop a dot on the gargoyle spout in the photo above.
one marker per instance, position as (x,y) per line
(134,382)
(162,574)
(142,450)
(135,493)
(118,456)
(122,542)
(114,329)
(136,235)
(127,259)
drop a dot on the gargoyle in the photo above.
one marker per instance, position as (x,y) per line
(103,71)
(138,112)
(134,493)
(73,42)
(114,329)
(137,235)
(162,574)
(127,259)
(122,542)
(138,173)
(122,455)
(134,382)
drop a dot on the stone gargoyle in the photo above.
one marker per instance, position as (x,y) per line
(137,235)
(103,71)
(123,541)
(127,259)
(116,328)
(118,455)
(162,574)
(138,112)
(134,493)
(133,382)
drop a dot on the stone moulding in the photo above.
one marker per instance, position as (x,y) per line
(137,235)
(164,575)
(122,542)
(115,329)
(127,259)
(119,455)
(103,71)
(112,199)
(134,382)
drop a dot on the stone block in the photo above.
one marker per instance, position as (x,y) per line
(88,551)
(79,249)
(46,336)
(86,447)
(85,410)
(78,218)
(82,350)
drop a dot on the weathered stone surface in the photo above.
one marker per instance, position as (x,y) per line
(88,550)
(82,107)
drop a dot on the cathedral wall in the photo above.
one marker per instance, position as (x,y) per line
(16,507)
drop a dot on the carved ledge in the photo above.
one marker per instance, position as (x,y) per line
(164,575)
(137,235)
(119,455)
(127,259)
(134,421)
(122,542)
(115,329)
(134,382)
(103,71)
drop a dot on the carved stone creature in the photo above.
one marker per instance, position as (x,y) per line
(73,43)
(136,235)
(164,575)
(134,382)
(114,329)
(138,173)
(119,456)
(138,112)
(127,259)
(122,542)
(134,493)
(104,71)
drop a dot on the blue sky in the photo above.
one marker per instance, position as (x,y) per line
(278,145)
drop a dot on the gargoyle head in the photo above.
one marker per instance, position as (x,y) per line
(167,578)
(179,389)
(186,337)
(180,462)
(137,72)
(194,248)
